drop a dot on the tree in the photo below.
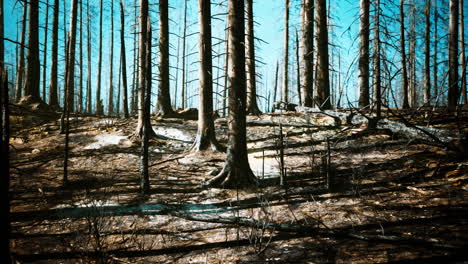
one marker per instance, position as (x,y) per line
(236,172)
(453,55)
(286,54)
(110,105)
(322,79)
(33,70)
(88,83)
(2,44)
(184,39)
(206,138)
(252,106)
(307,52)
(404,77)
(44,71)
(124,61)
(376,71)
(435,63)
(99,110)
(412,57)
(20,69)
(427,54)
(53,96)
(363,77)
(462,55)
(80,90)
(163,107)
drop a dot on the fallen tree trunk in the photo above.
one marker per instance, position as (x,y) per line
(223,121)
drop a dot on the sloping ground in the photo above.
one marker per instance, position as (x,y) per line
(381,198)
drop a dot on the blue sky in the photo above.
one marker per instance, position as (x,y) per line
(269,15)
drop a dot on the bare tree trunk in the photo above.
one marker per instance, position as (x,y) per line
(427,55)
(404,85)
(124,60)
(286,54)
(20,70)
(298,70)
(163,106)
(184,36)
(206,138)
(323,73)
(307,53)
(88,85)
(377,71)
(412,58)
(134,93)
(226,77)
(364,32)
(252,106)
(99,110)
(275,88)
(2,44)
(44,62)
(462,56)
(453,55)
(53,96)
(33,70)
(110,104)
(117,101)
(80,91)
(236,172)
(435,64)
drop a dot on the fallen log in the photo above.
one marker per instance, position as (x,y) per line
(223,121)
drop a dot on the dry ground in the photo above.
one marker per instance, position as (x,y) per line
(383,198)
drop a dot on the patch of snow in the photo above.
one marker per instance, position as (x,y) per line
(108,140)
(174,133)
(268,167)
(95,203)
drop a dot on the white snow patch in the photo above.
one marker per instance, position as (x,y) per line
(267,167)
(95,203)
(108,140)
(174,133)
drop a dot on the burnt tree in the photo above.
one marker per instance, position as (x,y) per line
(363,75)
(252,106)
(323,73)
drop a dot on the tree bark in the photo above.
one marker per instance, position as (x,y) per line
(285,91)
(163,106)
(99,110)
(298,70)
(184,37)
(110,104)
(364,32)
(427,55)
(462,55)
(275,87)
(323,73)
(20,70)
(236,172)
(453,55)
(2,44)
(252,106)
(205,138)
(88,85)
(124,60)
(226,69)
(80,88)
(44,62)
(435,64)
(53,97)
(412,58)
(377,71)
(404,78)
(33,70)
(307,57)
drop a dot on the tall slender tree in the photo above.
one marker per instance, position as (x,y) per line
(53,87)
(44,62)
(99,110)
(364,32)
(285,90)
(252,106)
(236,172)
(80,86)
(462,55)
(184,39)
(33,70)
(377,66)
(20,70)
(88,83)
(453,55)
(307,59)
(412,85)
(124,60)
(427,54)
(110,105)
(435,65)
(404,77)
(163,106)
(2,44)
(323,72)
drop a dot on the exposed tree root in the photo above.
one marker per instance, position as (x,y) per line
(232,177)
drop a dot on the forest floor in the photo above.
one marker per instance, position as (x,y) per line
(383,197)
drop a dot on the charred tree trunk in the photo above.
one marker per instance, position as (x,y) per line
(462,56)
(364,32)
(377,71)
(124,60)
(99,110)
(285,91)
(307,54)
(252,106)
(2,44)
(184,37)
(206,138)
(453,55)
(80,88)
(404,78)
(427,54)
(412,58)
(323,73)
(44,70)
(435,64)
(110,104)
(20,70)
(275,88)
(236,172)
(53,96)
(33,70)
(226,77)
(134,93)
(163,106)
(88,85)
(298,70)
